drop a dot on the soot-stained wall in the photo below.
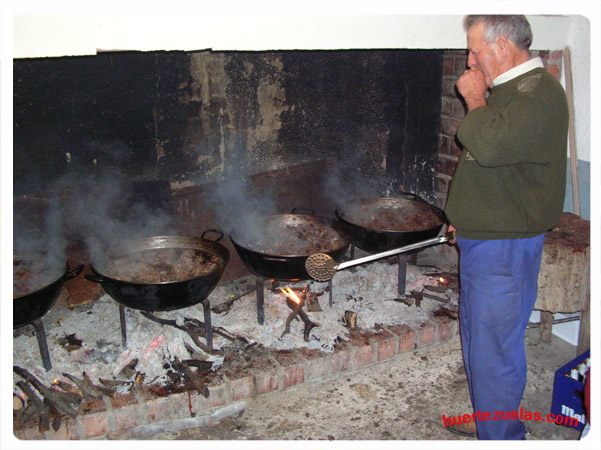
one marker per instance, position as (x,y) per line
(198,116)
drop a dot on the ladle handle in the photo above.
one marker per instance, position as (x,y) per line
(396,251)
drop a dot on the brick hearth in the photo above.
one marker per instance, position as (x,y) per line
(258,371)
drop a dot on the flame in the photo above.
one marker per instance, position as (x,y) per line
(442,280)
(291,295)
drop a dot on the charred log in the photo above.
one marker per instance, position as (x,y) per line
(61,403)
(43,412)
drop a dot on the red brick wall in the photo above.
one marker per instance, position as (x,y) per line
(452,111)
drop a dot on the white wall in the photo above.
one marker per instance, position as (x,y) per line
(578,40)
(60,35)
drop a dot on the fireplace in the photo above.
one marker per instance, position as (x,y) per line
(180,143)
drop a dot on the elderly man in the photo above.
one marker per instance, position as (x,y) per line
(507,191)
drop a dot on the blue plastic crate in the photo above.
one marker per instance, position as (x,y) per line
(568,394)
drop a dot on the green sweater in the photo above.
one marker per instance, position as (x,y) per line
(510,179)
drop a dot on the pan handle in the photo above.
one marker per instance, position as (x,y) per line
(96,278)
(211,230)
(275,259)
(308,211)
(410,196)
(72,273)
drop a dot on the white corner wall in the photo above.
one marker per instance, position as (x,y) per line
(69,35)
(578,40)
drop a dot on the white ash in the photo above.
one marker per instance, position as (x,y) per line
(101,354)
(368,290)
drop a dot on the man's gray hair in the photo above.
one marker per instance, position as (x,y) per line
(515,28)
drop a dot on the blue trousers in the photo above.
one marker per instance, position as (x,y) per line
(497,293)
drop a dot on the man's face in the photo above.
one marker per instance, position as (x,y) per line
(483,55)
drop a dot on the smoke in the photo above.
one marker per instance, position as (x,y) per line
(38,237)
(238,208)
(106,210)
(96,212)
(352,178)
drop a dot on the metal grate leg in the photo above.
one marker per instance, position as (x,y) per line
(123,326)
(40,334)
(402,265)
(206,305)
(260,300)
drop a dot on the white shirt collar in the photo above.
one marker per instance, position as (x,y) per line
(527,66)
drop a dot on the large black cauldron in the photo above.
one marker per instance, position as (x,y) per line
(32,306)
(29,309)
(279,244)
(385,223)
(164,296)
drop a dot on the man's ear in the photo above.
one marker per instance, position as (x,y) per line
(503,47)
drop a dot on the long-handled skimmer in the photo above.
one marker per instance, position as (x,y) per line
(322,267)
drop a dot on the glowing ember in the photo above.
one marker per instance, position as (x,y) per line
(156,343)
(288,292)
(443,281)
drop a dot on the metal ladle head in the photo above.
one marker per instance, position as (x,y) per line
(321,266)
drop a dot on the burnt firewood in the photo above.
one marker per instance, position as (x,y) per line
(225,307)
(88,389)
(28,413)
(69,397)
(435,297)
(57,420)
(70,342)
(104,390)
(418,296)
(309,325)
(43,411)
(196,329)
(194,333)
(190,376)
(199,328)
(115,383)
(61,404)
(194,353)
(311,299)
(444,312)
(436,288)
(409,301)
(297,312)
(129,370)
(293,315)
(66,388)
(161,321)
(159,390)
